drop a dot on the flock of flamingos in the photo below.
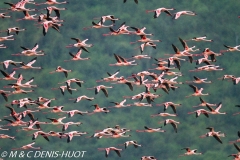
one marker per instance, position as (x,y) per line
(163,77)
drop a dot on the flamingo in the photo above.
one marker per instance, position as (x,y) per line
(98,25)
(3,46)
(139,104)
(43,134)
(171,104)
(78,99)
(52,2)
(204,103)
(141,56)
(151,130)
(176,60)
(140,31)
(76,57)
(144,39)
(27,16)
(30,127)
(29,65)
(148,158)
(7,76)
(163,114)
(101,88)
(80,44)
(132,142)
(56,121)
(108,17)
(190,152)
(197,92)
(30,52)
(6,38)
(179,53)
(122,61)
(199,80)
(73,112)
(28,146)
(215,111)
(227,76)
(48,24)
(214,134)
(205,60)
(55,9)
(44,105)
(185,46)
(62,89)
(73,80)
(4,136)
(65,125)
(122,80)
(231,49)
(151,44)
(107,150)
(180,13)
(158,11)
(203,38)
(3,15)
(13,29)
(119,104)
(172,122)
(71,134)
(112,77)
(199,111)
(60,69)
(98,109)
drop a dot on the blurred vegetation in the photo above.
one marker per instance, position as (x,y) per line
(216,19)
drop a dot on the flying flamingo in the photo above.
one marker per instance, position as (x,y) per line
(119,104)
(144,39)
(190,152)
(180,13)
(62,89)
(43,134)
(163,114)
(7,38)
(98,109)
(151,130)
(30,52)
(52,2)
(56,121)
(3,15)
(203,38)
(148,158)
(158,11)
(108,17)
(81,44)
(71,134)
(97,25)
(172,122)
(171,104)
(29,65)
(151,44)
(140,31)
(197,92)
(122,61)
(215,111)
(7,62)
(65,125)
(204,103)
(112,77)
(60,69)
(73,112)
(55,9)
(76,57)
(132,142)
(199,80)
(3,136)
(107,150)
(3,46)
(48,24)
(186,48)
(28,146)
(7,76)
(231,49)
(78,99)
(101,88)
(27,16)
(214,134)
(13,29)
(199,112)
